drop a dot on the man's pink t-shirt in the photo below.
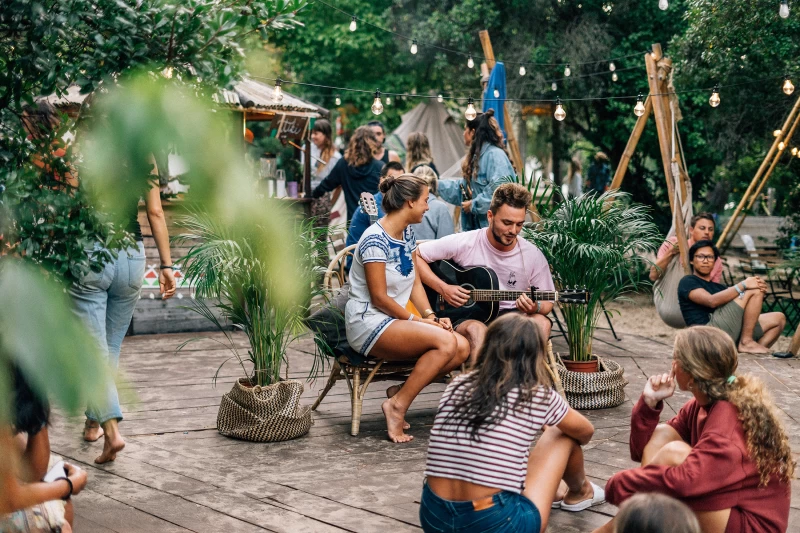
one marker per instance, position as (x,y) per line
(518,270)
(716,272)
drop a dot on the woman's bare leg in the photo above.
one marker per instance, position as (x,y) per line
(752,303)
(437,352)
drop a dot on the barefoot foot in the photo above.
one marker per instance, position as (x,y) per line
(111,446)
(92,431)
(394,421)
(753,347)
(391,391)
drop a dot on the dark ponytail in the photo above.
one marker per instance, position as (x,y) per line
(487,130)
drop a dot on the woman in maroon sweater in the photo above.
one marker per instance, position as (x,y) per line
(726,454)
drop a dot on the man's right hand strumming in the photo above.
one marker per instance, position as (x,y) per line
(455,295)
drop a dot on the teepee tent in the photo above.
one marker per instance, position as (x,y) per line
(445,135)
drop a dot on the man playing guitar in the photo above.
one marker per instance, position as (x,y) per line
(518,264)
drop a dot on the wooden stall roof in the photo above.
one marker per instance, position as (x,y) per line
(251,96)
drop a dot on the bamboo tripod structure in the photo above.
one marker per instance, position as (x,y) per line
(658,103)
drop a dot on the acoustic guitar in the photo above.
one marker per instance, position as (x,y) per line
(369,206)
(485,294)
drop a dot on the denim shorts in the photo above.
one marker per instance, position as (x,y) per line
(511,513)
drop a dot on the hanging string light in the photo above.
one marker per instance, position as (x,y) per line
(440,98)
(338,100)
(614,77)
(788,86)
(278,94)
(784,10)
(414,46)
(559,114)
(638,110)
(377,105)
(794,150)
(612,67)
(567,71)
(554,86)
(470,62)
(388,100)
(714,100)
(522,70)
(663,5)
(353,24)
(470,113)
(781,145)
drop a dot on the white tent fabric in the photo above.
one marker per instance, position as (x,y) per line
(445,135)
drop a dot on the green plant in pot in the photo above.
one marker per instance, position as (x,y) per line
(594,242)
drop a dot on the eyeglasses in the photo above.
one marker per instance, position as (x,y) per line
(704,258)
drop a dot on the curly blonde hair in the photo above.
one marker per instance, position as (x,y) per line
(709,356)
(362,147)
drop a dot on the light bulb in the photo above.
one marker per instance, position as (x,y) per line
(388,100)
(353,24)
(794,150)
(377,105)
(414,46)
(470,113)
(777,133)
(781,145)
(638,110)
(788,86)
(559,114)
(440,98)
(470,62)
(612,67)
(338,100)
(663,5)
(614,77)
(554,86)
(278,93)
(522,70)
(496,93)
(784,11)
(714,100)
(567,71)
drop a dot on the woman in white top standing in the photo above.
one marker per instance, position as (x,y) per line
(481,474)
(323,158)
(382,281)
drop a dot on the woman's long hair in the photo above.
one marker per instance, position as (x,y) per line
(487,130)
(324,127)
(512,357)
(709,356)
(419,150)
(362,147)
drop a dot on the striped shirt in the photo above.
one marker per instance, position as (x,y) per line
(500,457)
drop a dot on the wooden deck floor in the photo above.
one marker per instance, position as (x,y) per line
(177,474)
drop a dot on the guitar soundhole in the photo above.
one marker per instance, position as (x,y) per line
(470,288)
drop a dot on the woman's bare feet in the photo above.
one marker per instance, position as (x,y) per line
(112,444)
(395,414)
(92,431)
(391,391)
(752,346)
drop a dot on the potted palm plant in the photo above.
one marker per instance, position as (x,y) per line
(594,242)
(224,267)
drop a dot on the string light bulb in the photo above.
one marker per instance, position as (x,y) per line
(567,71)
(781,145)
(338,100)
(522,70)
(638,110)
(614,77)
(388,100)
(663,5)
(788,86)
(794,150)
(612,67)
(470,62)
(554,86)
(470,113)
(784,10)
(353,24)
(777,133)
(377,105)
(277,95)
(559,113)
(414,46)
(440,98)
(714,100)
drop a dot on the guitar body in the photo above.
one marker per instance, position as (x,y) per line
(470,279)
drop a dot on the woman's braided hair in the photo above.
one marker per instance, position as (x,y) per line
(709,356)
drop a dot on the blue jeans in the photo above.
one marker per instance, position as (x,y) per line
(105,301)
(511,513)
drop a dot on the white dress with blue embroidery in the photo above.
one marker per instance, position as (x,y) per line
(365,322)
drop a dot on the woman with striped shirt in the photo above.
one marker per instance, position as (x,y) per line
(481,474)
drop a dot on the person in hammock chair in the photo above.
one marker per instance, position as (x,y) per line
(735,310)
(701,229)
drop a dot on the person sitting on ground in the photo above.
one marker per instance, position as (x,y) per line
(726,454)
(382,154)
(701,229)
(481,473)
(357,172)
(519,265)
(437,222)
(655,513)
(383,279)
(419,152)
(735,310)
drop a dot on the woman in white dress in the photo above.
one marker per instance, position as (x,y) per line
(382,281)
(324,157)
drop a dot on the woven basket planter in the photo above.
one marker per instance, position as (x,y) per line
(264,414)
(596,390)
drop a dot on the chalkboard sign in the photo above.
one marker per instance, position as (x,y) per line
(288,127)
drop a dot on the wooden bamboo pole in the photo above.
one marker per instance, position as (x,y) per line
(630,148)
(657,87)
(488,53)
(723,238)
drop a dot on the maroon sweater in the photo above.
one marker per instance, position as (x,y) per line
(718,473)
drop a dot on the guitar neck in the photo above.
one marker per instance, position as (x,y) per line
(480,295)
(373,219)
